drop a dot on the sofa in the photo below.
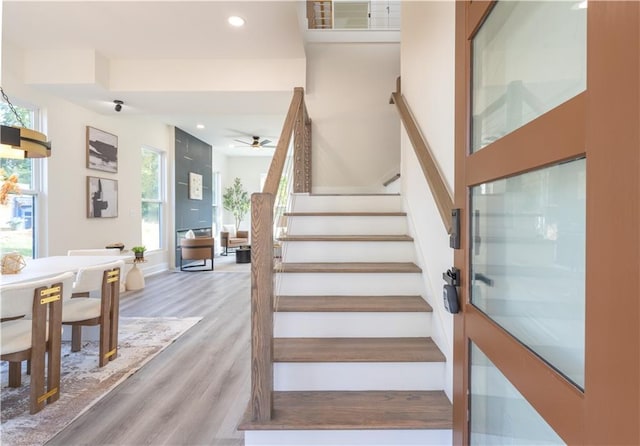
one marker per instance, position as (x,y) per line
(230,239)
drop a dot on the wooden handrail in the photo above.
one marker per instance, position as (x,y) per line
(280,155)
(435,179)
(391,180)
(297,123)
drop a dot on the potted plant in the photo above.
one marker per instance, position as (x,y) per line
(139,252)
(236,200)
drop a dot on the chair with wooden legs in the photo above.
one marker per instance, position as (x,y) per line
(84,310)
(30,325)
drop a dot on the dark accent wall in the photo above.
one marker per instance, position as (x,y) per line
(192,155)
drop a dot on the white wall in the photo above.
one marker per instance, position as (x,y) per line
(428,51)
(62,222)
(248,169)
(348,89)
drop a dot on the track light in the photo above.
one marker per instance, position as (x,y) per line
(119,104)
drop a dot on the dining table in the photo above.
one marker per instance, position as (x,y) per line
(44,267)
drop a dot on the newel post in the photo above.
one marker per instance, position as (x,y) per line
(302,150)
(261,306)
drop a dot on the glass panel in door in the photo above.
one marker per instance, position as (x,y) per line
(528,261)
(528,58)
(499,413)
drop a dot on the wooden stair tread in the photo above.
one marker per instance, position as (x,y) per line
(345,214)
(356,350)
(348,267)
(351,304)
(356,410)
(346,238)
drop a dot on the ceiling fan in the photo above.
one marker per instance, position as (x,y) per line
(256,143)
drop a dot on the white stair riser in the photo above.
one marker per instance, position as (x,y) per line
(348,252)
(376,437)
(347,225)
(351,325)
(352,284)
(320,376)
(346,203)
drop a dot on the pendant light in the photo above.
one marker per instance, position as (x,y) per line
(21,142)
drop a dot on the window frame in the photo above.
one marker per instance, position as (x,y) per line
(162,195)
(36,187)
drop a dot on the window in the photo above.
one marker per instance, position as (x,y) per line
(216,186)
(152,195)
(17,215)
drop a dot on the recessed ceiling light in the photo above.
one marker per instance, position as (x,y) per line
(236,21)
(200,126)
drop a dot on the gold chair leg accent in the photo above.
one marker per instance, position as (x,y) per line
(51,392)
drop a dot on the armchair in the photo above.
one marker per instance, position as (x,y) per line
(199,248)
(226,241)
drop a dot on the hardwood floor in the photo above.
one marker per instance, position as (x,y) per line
(194,392)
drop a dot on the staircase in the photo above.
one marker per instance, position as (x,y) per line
(353,361)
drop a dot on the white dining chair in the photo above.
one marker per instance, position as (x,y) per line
(103,252)
(82,309)
(30,329)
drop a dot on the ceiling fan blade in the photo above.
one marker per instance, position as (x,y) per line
(243,142)
(264,142)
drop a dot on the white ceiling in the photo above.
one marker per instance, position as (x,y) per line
(188,30)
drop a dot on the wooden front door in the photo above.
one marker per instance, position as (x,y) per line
(547,343)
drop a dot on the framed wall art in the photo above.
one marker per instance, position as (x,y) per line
(195,186)
(102,197)
(102,150)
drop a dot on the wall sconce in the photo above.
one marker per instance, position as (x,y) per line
(21,142)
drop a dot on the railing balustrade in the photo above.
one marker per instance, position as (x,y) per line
(360,15)
(266,208)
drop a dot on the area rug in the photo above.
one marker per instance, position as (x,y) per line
(83,383)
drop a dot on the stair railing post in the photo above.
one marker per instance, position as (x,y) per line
(261,306)
(307,150)
(302,151)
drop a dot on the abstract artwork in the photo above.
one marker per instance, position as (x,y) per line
(102,197)
(102,150)
(195,186)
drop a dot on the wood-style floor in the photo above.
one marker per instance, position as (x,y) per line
(194,392)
